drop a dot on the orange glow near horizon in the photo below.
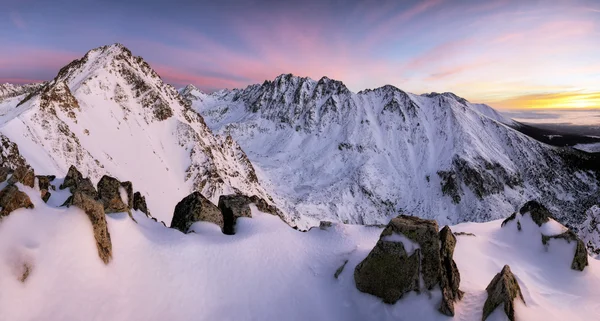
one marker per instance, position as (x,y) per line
(562,100)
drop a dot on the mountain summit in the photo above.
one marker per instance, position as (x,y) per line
(110,113)
(364,157)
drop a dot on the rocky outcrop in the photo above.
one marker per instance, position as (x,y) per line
(449,276)
(11,198)
(128,187)
(9,154)
(110,196)
(95,212)
(411,256)
(194,208)
(503,289)
(75,181)
(580,258)
(540,215)
(23,175)
(139,203)
(45,186)
(233,207)
(4,172)
(538,212)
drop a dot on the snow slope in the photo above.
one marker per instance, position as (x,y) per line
(110,113)
(267,271)
(325,153)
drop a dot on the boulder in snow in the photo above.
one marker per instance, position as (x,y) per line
(11,198)
(410,256)
(139,203)
(75,181)
(449,275)
(503,289)
(95,212)
(23,175)
(110,196)
(194,208)
(45,186)
(128,187)
(538,212)
(4,172)
(233,207)
(580,258)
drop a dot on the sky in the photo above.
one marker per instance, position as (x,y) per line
(509,54)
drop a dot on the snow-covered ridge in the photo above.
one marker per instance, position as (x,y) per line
(329,154)
(110,113)
(158,273)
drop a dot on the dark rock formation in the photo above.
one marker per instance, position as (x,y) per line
(23,175)
(580,258)
(449,276)
(109,195)
(129,192)
(325,225)
(95,212)
(233,207)
(390,270)
(340,269)
(503,289)
(4,172)
(74,181)
(11,198)
(194,208)
(139,203)
(538,212)
(45,186)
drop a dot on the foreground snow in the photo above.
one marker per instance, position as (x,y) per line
(267,271)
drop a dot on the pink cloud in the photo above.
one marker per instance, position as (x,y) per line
(19,80)
(175,76)
(35,58)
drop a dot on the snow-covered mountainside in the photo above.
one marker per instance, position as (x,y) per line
(324,152)
(110,113)
(50,270)
(11,90)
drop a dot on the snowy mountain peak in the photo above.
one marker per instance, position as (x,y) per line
(191,93)
(110,113)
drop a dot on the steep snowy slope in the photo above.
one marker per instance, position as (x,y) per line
(110,113)
(327,153)
(267,271)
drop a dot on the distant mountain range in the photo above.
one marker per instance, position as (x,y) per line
(313,148)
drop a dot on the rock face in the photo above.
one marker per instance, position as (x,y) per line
(128,187)
(95,212)
(110,196)
(539,213)
(11,198)
(74,181)
(139,203)
(45,186)
(411,256)
(23,175)
(450,277)
(503,289)
(194,208)
(580,258)
(4,172)
(233,207)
